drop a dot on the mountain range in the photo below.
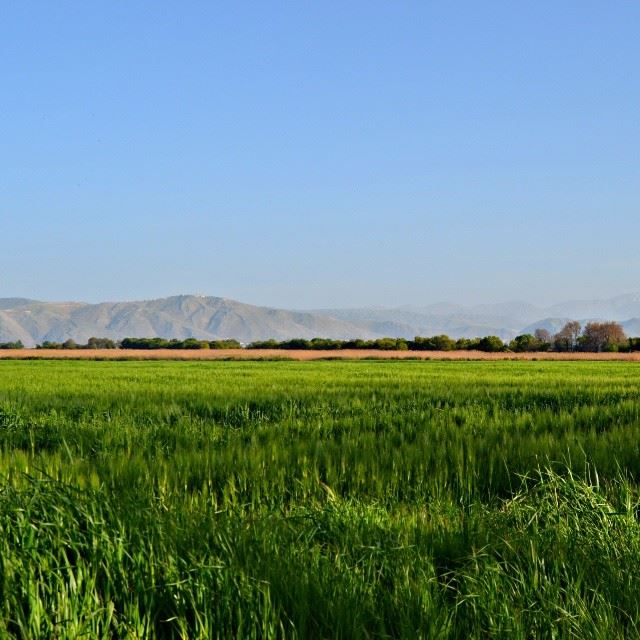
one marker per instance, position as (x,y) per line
(206,317)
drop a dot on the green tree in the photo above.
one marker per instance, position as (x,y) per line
(467,344)
(492,344)
(525,342)
(12,345)
(434,343)
(100,343)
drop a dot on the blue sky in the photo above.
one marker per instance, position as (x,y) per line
(320,154)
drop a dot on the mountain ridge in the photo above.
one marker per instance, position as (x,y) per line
(183,316)
(214,317)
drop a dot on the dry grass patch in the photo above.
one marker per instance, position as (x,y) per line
(285,354)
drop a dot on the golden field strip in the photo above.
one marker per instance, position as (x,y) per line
(295,354)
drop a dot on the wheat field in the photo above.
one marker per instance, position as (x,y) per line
(347,499)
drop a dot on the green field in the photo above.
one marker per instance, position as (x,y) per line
(319,499)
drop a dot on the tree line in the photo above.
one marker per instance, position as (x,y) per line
(12,345)
(434,343)
(594,337)
(142,343)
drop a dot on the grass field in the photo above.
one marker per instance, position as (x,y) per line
(319,499)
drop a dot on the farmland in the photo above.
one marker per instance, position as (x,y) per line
(352,499)
(302,354)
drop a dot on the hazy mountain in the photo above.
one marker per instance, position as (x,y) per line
(505,319)
(214,318)
(437,308)
(618,308)
(519,313)
(514,313)
(409,322)
(552,325)
(14,303)
(632,326)
(175,317)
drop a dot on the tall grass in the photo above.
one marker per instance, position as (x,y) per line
(326,499)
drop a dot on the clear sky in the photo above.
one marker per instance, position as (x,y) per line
(315,154)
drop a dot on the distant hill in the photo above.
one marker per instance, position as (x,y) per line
(14,303)
(409,322)
(619,308)
(632,326)
(552,325)
(175,317)
(505,319)
(214,318)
